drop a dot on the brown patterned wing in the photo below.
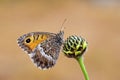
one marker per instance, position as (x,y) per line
(46,53)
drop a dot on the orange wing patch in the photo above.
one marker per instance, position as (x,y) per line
(34,40)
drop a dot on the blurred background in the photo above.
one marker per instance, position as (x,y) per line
(98,21)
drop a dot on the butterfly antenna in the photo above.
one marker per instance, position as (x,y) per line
(62,26)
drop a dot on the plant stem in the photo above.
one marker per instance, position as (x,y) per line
(81,63)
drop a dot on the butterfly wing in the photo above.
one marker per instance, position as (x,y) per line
(46,50)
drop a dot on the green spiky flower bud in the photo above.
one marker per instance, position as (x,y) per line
(74,46)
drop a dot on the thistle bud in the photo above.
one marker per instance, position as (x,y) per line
(74,46)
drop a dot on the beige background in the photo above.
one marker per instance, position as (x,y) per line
(97,22)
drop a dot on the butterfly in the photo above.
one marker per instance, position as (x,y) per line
(43,48)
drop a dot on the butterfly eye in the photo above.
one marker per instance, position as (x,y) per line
(28,40)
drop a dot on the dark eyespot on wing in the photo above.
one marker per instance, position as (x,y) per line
(28,40)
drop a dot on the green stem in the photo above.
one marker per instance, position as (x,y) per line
(81,63)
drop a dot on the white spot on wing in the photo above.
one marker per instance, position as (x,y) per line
(43,53)
(31,54)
